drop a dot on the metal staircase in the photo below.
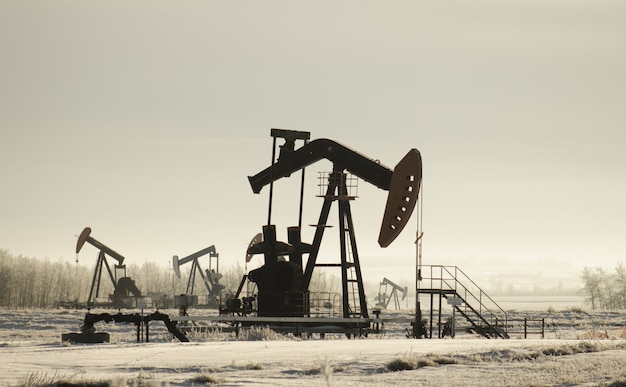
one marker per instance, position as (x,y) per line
(468,299)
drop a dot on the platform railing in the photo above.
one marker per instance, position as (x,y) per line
(453,279)
(325,304)
(527,326)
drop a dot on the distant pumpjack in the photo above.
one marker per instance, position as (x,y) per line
(209,277)
(384,299)
(124,286)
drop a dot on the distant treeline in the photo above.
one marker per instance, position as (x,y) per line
(603,289)
(30,282)
(41,283)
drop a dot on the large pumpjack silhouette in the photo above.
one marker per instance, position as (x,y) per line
(283,285)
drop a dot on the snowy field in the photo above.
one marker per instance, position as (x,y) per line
(579,348)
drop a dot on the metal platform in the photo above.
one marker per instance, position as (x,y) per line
(297,325)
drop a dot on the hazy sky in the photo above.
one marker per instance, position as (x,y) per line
(143,120)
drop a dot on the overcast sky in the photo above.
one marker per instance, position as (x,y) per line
(143,120)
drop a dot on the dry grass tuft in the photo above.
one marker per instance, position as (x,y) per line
(326,370)
(443,360)
(260,334)
(255,366)
(44,380)
(37,379)
(409,363)
(206,380)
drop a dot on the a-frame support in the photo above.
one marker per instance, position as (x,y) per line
(210,284)
(354,303)
(191,281)
(97,275)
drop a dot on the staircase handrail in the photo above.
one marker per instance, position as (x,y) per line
(458,283)
(481,292)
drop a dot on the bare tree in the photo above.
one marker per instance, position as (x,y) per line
(604,290)
(620,285)
(591,289)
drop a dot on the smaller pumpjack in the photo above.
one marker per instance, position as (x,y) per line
(384,299)
(283,285)
(124,287)
(210,277)
(234,304)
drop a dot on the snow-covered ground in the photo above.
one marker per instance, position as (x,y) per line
(32,353)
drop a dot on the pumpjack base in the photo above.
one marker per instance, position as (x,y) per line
(86,338)
(351,327)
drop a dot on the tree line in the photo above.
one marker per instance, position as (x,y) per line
(27,282)
(603,289)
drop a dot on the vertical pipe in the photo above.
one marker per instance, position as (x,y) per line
(525,327)
(439,318)
(418,270)
(431,314)
(269,211)
(418,311)
(269,237)
(453,323)
(301,200)
(293,236)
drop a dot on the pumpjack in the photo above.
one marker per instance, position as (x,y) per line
(125,293)
(283,285)
(210,277)
(384,298)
